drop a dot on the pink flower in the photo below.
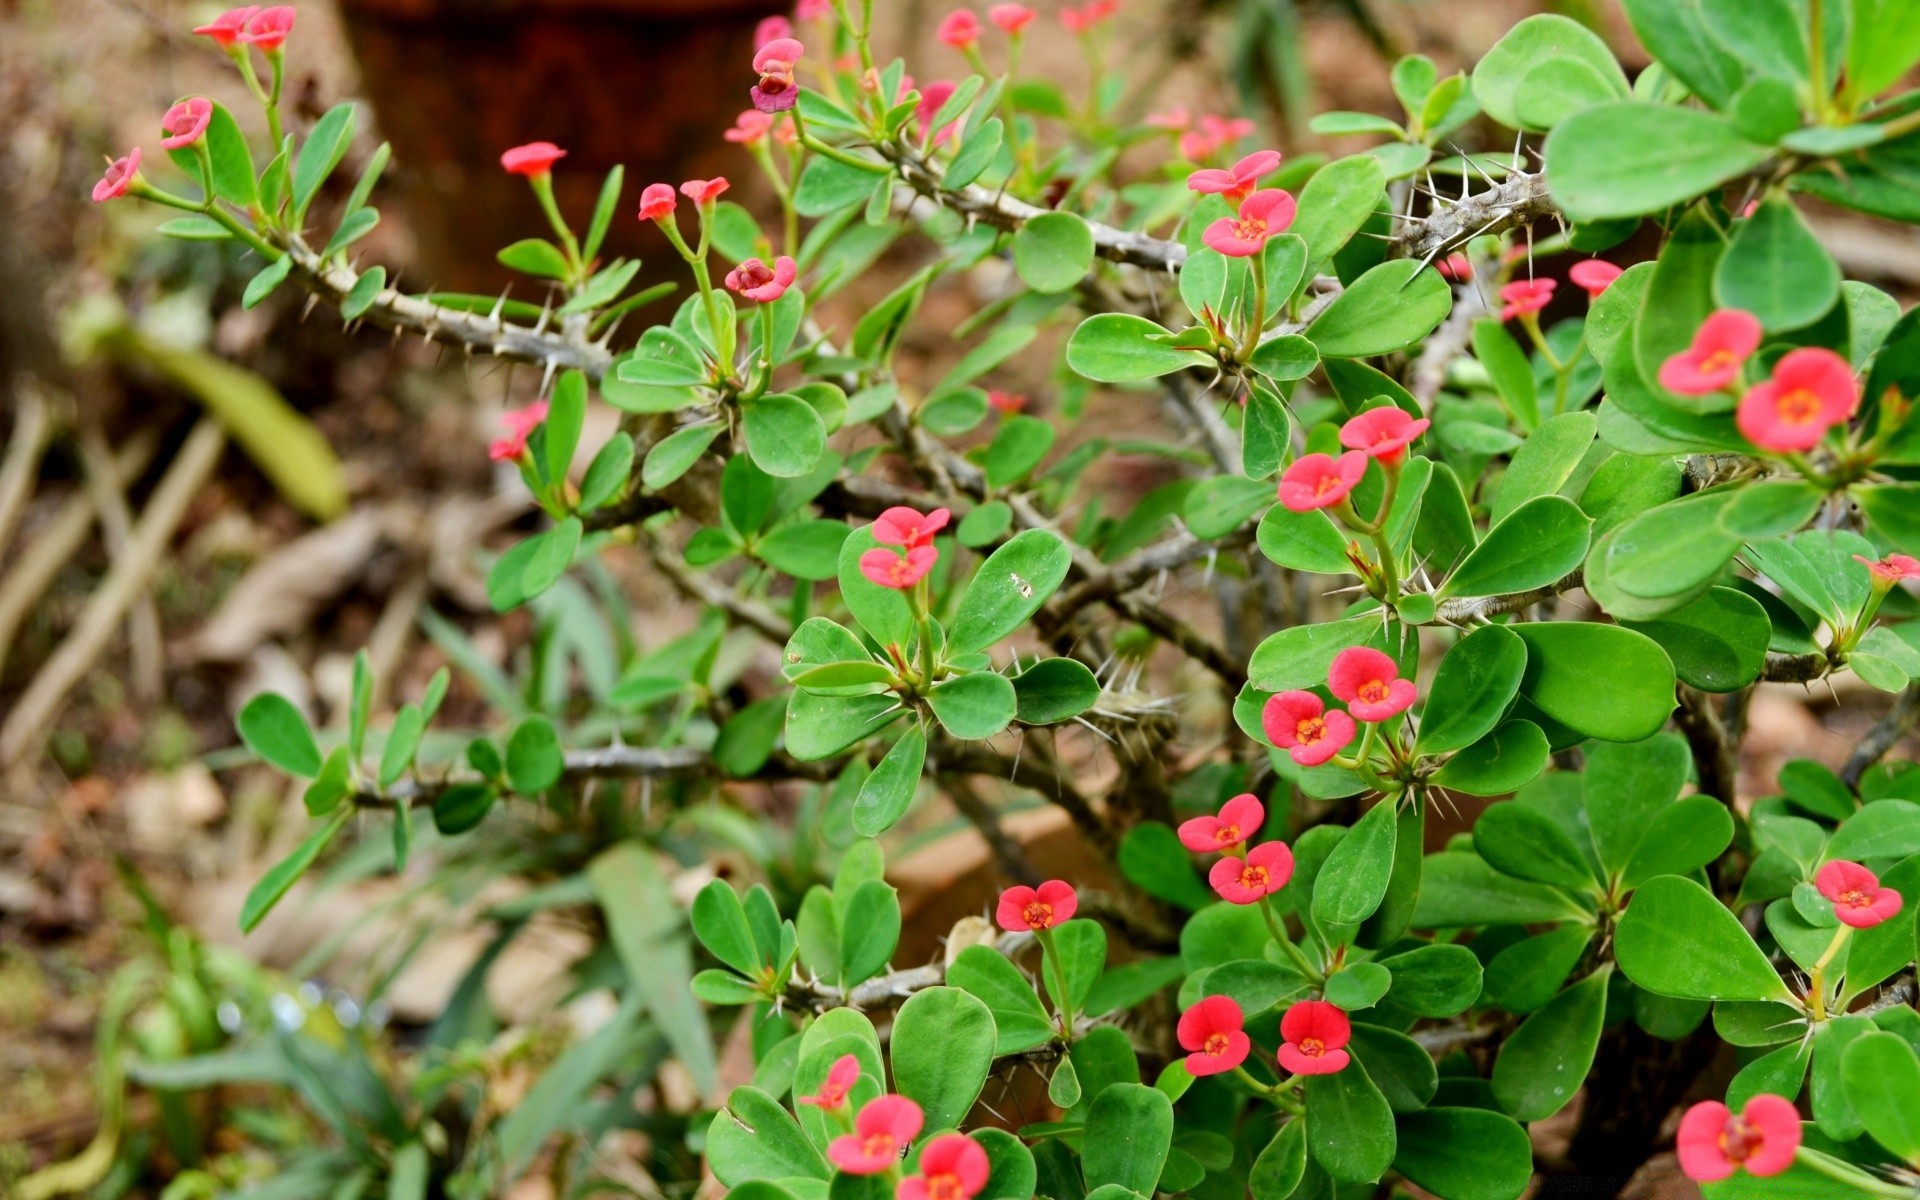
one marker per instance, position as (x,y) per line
(186,121)
(1214,135)
(1212,1033)
(1525,296)
(1320,480)
(1370,684)
(226,28)
(891,570)
(1713,1143)
(1011,18)
(1315,1035)
(750,127)
(760,283)
(533,160)
(1237,182)
(1024,908)
(1089,15)
(1456,266)
(520,423)
(1858,899)
(1262,215)
(704,191)
(814,10)
(840,1080)
(1595,275)
(1720,347)
(1239,820)
(1811,390)
(881,1131)
(772,29)
(776,91)
(932,97)
(908,527)
(1301,724)
(657,202)
(1006,403)
(952,1167)
(119,177)
(1383,433)
(959,29)
(1175,119)
(1264,871)
(269,28)
(1891,569)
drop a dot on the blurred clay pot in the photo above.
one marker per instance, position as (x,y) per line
(647,83)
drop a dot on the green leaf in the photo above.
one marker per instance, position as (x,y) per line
(975,155)
(1285,357)
(233,178)
(1054,690)
(1437,980)
(881,611)
(645,927)
(1152,857)
(1519,840)
(1350,1130)
(1128,1133)
(887,792)
(1021,1023)
(325,147)
(1888,828)
(366,289)
(720,923)
(1626,788)
(1458,890)
(1627,159)
(274,729)
(603,210)
(1009,588)
(1599,680)
(828,185)
(1718,642)
(1336,201)
(1354,879)
(974,706)
(331,785)
(785,436)
(942,1047)
(1053,252)
(1002,344)
(1359,986)
(535,760)
(1081,947)
(1544,463)
(265,281)
(1503,761)
(662,359)
(1539,543)
(1545,1061)
(462,806)
(1677,940)
(1472,688)
(820,726)
(608,473)
(869,930)
(808,549)
(1017,448)
(1280,1167)
(274,884)
(1500,81)
(566,415)
(1389,308)
(1675,34)
(1299,657)
(755,1138)
(402,741)
(1685,837)
(1121,348)
(672,456)
(1882,1077)
(1306,541)
(535,256)
(1526,975)
(1776,269)
(1464,1153)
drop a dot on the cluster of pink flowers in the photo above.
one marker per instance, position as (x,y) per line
(251,25)
(912,532)
(952,1166)
(1366,680)
(1203,137)
(657,203)
(1714,1142)
(775,61)
(1858,898)
(761,283)
(1810,390)
(1234,184)
(1525,297)
(1314,1036)
(520,424)
(1088,16)
(1323,481)
(1240,876)
(1262,215)
(1023,909)
(752,127)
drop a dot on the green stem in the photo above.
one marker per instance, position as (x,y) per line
(1265,1089)
(1817,977)
(1845,1173)
(1055,968)
(277,60)
(1257,320)
(842,157)
(1817,60)
(543,188)
(1278,928)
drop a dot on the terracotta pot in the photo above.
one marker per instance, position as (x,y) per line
(647,83)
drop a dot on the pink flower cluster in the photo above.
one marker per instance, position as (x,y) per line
(1239,877)
(761,283)
(1366,680)
(912,531)
(952,1166)
(1089,16)
(1262,215)
(657,203)
(1203,137)
(250,25)
(1323,481)
(961,29)
(520,424)
(1314,1036)
(1810,390)
(775,61)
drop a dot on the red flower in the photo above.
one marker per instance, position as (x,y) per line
(1301,724)
(1211,1033)
(1370,683)
(1891,569)
(932,97)
(1456,266)
(1595,275)
(750,127)
(1006,403)
(119,177)
(903,526)
(1239,820)
(1713,1143)
(1174,119)
(226,28)
(1384,433)
(771,29)
(1811,390)
(1237,182)
(1858,899)
(186,121)
(1320,480)
(1315,1035)
(1720,347)
(1264,871)
(520,423)
(1024,908)
(1011,18)
(1214,135)
(1262,214)
(269,28)
(840,1080)
(1525,296)
(533,160)
(814,10)
(760,283)
(657,202)
(881,1131)
(704,191)
(891,570)
(959,29)
(776,91)
(952,1167)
